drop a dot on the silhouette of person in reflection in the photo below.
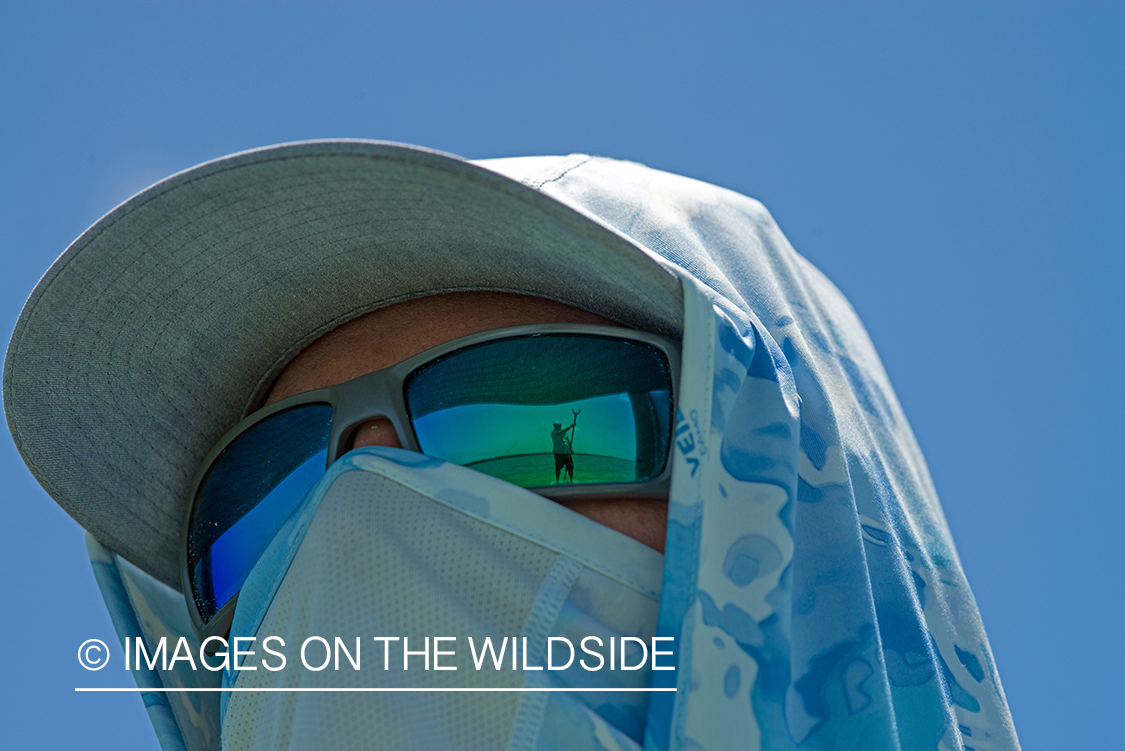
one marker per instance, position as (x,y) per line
(564,453)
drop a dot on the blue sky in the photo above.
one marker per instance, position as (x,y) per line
(957,169)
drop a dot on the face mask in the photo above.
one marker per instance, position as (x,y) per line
(393,544)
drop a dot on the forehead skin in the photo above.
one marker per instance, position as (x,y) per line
(390,335)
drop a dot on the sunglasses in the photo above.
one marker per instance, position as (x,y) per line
(568,411)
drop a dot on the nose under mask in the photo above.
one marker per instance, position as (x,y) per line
(395,545)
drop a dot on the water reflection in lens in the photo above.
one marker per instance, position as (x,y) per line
(540,410)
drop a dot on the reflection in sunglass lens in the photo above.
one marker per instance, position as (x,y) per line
(544,409)
(248,493)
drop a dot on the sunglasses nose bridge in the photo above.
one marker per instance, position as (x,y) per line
(373,396)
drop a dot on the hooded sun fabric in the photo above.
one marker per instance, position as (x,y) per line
(809,579)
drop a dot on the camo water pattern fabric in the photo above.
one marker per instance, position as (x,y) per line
(810,581)
(810,577)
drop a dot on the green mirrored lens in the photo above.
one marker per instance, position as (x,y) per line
(543,409)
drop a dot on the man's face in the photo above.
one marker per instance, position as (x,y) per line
(390,335)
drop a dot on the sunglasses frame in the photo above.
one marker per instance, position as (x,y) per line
(382,394)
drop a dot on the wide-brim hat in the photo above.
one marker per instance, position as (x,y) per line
(163,324)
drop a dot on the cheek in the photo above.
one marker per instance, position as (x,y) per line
(643,519)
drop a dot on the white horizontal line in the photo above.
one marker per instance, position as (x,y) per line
(359,689)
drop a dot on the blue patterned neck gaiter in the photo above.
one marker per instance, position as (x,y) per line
(810,578)
(809,584)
